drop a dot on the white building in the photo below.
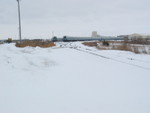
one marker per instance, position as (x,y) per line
(138,36)
(94,34)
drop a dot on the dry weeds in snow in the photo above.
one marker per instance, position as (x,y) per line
(43,44)
(124,46)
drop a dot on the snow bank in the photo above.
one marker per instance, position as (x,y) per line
(68,78)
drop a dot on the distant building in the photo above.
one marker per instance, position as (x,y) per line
(94,34)
(138,36)
(135,36)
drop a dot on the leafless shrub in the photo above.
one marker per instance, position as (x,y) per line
(135,49)
(139,41)
(91,44)
(123,46)
(105,43)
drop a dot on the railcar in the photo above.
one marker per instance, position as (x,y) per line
(69,38)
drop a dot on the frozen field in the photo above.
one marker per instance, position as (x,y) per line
(72,78)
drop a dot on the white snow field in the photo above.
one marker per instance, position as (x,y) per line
(72,78)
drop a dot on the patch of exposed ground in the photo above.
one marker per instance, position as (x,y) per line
(43,44)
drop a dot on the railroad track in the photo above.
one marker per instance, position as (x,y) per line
(88,51)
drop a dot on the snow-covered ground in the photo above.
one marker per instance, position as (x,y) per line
(73,78)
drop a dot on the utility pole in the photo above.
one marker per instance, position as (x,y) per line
(19,20)
(52,33)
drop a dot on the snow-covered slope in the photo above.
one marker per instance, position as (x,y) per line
(72,78)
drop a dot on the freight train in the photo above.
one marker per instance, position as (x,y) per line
(71,39)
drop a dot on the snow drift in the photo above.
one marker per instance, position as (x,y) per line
(72,78)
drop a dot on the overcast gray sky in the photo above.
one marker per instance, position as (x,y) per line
(74,17)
